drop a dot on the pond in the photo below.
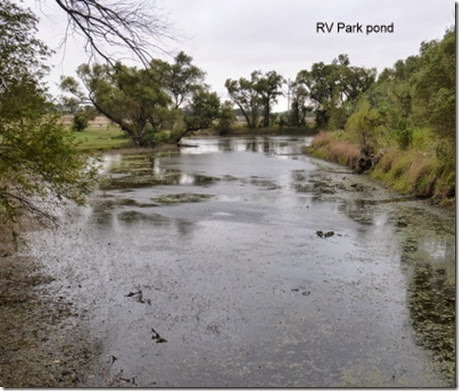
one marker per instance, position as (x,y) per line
(242,262)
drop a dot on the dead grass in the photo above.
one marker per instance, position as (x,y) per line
(322,139)
(327,145)
(345,153)
(412,171)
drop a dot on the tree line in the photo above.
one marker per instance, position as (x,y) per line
(413,99)
(146,102)
(404,123)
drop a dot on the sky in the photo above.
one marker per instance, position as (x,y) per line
(231,38)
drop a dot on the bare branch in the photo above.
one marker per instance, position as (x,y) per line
(132,25)
(26,204)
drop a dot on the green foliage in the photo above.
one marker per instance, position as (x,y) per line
(226,119)
(133,98)
(244,94)
(256,95)
(68,105)
(145,102)
(162,137)
(22,55)
(365,124)
(38,159)
(179,79)
(268,87)
(407,120)
(202,111)
(80,122)
(434,85)
(299,108)
(333,86)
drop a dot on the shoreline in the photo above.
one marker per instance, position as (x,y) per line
(408,172)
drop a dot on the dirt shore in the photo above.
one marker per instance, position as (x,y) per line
(42,341)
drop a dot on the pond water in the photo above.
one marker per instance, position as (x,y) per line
(243,263)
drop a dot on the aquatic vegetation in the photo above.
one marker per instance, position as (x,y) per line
(181,198)
(432,303)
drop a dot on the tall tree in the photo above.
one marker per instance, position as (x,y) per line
(298,108)
(132,98)
(332,87)
(244,94)
(434,85)
(37,158)
(269,88)
(201,112)
(144,101)
(180,79)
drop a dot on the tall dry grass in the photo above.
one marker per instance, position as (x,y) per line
(413,171)
(328,146)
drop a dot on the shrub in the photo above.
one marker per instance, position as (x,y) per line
(80,122)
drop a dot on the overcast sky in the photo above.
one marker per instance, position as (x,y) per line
(231,38)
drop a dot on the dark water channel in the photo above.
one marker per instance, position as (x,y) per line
(205,268)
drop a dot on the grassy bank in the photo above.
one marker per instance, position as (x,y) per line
(101,139)
(418,170)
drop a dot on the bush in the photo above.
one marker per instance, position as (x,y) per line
(162,137)
(80,122)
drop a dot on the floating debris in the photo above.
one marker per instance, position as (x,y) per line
(140,298)
(322,234)
(156,337)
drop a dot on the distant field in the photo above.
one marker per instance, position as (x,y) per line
(101,139)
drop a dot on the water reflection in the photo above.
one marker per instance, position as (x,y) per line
(132,217)
(185,228)
(267,145)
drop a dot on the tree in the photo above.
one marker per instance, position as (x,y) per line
(145,101)
(256,95)
(365,123)
(202,111)
(298,108)
(180,79)
(334,87)
(68,105)
(226,118)
(82,117)
(244,94)
(80,122)
(37,157)
(434,85)
(132,98)
(268,87)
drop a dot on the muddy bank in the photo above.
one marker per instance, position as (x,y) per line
(43,342)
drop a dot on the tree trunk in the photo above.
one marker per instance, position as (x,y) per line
(266,114)
(124,126)
(250,124)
